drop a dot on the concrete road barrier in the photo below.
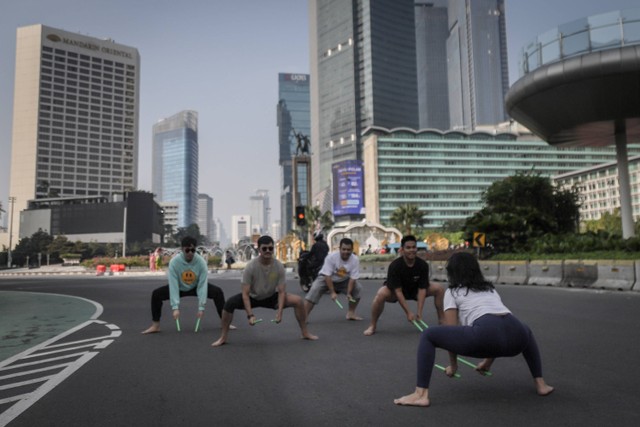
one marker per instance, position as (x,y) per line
(636,286)
(438,271)
(579,273)
(379,270)
(546,273)
(490,270)
(615,274)
(513,272)
(366,270)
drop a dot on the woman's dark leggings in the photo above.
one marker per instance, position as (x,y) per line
(162,294)
(490,336)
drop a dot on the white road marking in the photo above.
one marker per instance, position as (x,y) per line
(14,367)
(33,371)
(27,382)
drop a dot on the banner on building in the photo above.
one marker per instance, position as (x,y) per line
(348,188)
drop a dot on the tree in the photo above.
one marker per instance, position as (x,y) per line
(453,226)
(567,209)
(523,207)
(60,245)
(192,230)
(315,216)
(30,247)
(408,218)
(611,222)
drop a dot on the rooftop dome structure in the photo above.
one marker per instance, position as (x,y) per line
(580,86)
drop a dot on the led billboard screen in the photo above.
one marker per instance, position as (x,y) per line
(348,188)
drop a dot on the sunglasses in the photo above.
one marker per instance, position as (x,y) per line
(187,250)
(267,249)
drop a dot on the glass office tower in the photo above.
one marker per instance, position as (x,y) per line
(293,116)
(205,217)
(260,212)
(363,58)
(75,117)
(431,56)
(477,61)
(175,164)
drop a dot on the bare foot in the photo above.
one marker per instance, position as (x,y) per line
(218,343)
(417,398)
(542,388)
(308,336)
(370,331)
(353,317)
(152,329)
(484,367)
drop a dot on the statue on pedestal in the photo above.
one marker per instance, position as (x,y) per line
(303,143)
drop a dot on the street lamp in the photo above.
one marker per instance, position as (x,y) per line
(12,201)
(124,232)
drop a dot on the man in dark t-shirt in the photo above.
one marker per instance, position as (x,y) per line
(407,279)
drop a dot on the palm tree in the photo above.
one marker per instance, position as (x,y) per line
(314,215)
(407,218)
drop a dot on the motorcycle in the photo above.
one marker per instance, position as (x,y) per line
(307,272)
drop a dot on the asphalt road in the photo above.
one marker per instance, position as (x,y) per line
(267,376)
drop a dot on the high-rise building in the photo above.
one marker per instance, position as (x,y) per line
(240,228)
(293,118)
(276,230)
(260,210)
(432,31)
(220,234)
(75,117)
(477,63)
(170,218)
(205,216)
(363,59)
(175,164)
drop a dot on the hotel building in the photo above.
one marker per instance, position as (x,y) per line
(445,173)
(75,117)
(600,190)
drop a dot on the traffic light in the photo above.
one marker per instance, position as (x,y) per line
(301,219)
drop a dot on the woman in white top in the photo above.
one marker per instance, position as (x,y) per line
(477,324)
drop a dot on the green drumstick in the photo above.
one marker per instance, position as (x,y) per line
(442,368)
(460,359)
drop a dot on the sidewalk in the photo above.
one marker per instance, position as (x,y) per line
(45,269)
(79,270)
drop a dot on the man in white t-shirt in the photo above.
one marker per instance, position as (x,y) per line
(339,274)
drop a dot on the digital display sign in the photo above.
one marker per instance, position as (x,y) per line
(348,188)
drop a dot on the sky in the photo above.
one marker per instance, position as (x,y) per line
(222,59)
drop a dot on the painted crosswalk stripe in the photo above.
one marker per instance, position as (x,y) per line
(17,371)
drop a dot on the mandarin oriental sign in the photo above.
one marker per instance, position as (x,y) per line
(88,45)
